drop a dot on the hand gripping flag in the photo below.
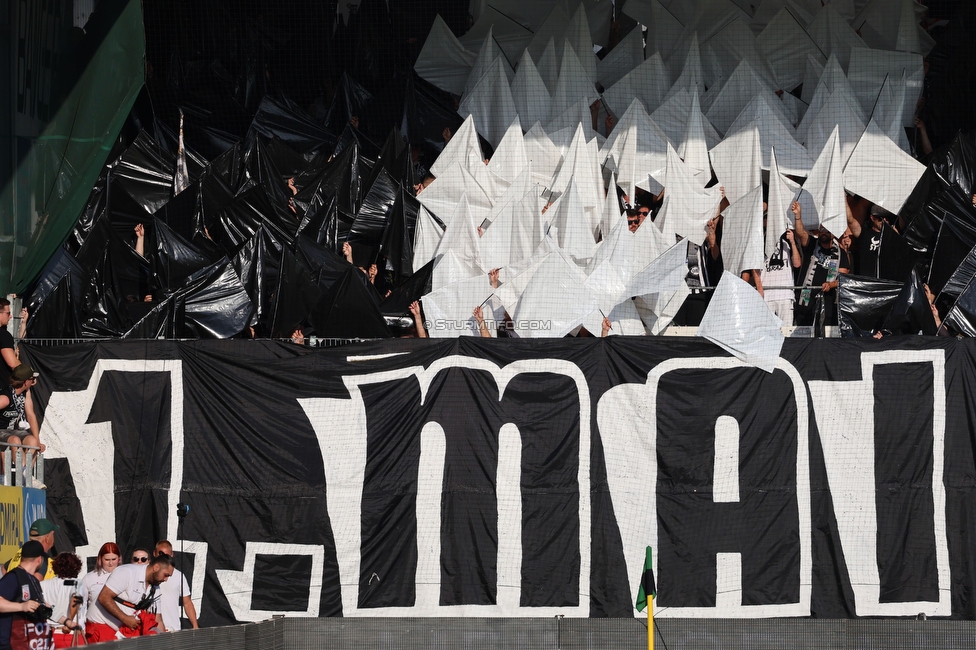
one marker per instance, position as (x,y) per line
(647,587)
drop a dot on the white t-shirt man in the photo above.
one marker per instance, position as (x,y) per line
(168,604)
(778,272)
(127,582)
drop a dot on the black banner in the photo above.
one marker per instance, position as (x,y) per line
(524,478)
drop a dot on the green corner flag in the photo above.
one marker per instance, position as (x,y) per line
(647,587)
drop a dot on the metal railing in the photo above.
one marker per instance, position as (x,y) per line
(567,634)
(311,341)
(22,466)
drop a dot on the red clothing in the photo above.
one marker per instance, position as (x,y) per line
(97,632)
(25,634)
(65,640)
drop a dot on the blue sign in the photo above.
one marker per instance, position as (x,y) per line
(35,506)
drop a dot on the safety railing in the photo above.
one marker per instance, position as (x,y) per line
(23,466)
(311,341)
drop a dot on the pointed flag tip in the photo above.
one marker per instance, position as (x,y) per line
(647,586)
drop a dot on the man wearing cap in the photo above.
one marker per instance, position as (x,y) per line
(22,626)
(18,424)
(172,592)
(42,532)
(129,594)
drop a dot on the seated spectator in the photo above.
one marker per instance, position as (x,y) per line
(18,423)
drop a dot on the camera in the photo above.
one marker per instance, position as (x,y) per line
(145,603)
(39,615)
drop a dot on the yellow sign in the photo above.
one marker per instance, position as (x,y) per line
(11,521)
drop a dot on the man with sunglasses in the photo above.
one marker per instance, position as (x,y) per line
(868,242)
(172,592)
(636,216)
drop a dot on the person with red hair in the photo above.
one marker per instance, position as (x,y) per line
(97,627)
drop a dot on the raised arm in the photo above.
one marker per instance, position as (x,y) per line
(417,320)
(801,233)
(711,239)
(482,326)
(795,258)
(140,239)
(852,223)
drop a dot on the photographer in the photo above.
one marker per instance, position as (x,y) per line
(23,614)
(63,593)
(130,592)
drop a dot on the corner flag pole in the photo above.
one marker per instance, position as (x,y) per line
(646,594)
(650,623)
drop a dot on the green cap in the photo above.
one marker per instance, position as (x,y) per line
(42,527)
(23,372)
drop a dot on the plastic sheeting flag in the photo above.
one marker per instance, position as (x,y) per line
(449,310)
(738,320)
(690,206)
(742,234)
(825,186)
(782,192)
(738,163)
(880,171)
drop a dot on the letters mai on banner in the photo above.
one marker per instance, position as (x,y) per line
(525,480)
